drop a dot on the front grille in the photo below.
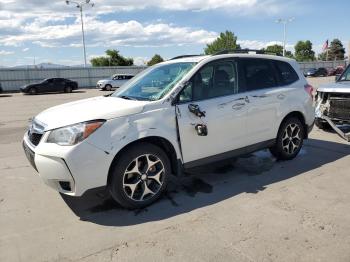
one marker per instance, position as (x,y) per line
(34,138)
(339,108)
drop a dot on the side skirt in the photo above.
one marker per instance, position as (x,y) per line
(230,154)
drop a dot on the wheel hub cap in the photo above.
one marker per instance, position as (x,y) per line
(291,139)
(143,178)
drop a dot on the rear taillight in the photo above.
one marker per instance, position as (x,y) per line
(310,90)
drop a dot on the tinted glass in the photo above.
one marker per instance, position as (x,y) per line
(286,72)
(213,80)
(258,74)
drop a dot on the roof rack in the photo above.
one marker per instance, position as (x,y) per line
(243,51)
(183,56)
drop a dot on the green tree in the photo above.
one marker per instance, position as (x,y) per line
(112,58)
(336,51)
(226,40)
(322,56)
(304,52)
(155,60)
(278,50)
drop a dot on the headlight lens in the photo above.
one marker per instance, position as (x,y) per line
(71,135)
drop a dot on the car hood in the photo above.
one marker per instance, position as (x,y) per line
(104,80)
(337,87)
(88,109)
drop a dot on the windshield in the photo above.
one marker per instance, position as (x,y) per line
(346,75)
(155,82)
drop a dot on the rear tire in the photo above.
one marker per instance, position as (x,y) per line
(68,89)
(289,139)
(108,87)
(139,176)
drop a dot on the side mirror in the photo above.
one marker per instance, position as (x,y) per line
(194,109)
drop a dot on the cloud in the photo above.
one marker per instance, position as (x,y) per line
(3,52)
(42,32)
(241,7)
(25,49)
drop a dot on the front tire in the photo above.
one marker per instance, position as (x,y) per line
(108,87)
(289,139)
(139,176)
(322,124)
(32,91)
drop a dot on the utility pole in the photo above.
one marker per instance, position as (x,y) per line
(284,22)
(80,6)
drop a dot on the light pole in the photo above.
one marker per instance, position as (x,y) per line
(80,6)
(284,22)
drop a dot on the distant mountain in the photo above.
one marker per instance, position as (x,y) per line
(41,65)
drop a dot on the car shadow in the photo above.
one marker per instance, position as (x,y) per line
(209,185)
(5,95)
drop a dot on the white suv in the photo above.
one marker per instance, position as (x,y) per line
(176,115)
(115,81)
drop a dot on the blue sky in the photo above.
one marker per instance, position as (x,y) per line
(50,30)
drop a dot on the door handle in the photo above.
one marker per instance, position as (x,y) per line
(238,106)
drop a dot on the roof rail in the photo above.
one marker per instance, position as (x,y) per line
(183,56)
(243,51)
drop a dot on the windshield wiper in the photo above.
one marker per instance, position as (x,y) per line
(128,98)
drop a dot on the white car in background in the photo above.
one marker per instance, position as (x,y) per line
(173,116)
(115,81)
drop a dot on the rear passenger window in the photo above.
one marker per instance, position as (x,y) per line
(286,72)
(258,74)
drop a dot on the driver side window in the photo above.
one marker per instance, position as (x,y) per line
(213,80)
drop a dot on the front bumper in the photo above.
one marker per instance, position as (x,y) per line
(71,170)
(99,85)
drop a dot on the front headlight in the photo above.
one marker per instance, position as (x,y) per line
(73,134)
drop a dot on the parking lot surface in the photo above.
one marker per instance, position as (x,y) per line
(249,209)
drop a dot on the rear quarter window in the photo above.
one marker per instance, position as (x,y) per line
(286,73)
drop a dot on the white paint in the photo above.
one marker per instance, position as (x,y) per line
(129,121)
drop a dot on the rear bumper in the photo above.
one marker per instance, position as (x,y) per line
(310,127)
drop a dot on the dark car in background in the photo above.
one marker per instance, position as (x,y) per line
(50,85)
(316,72)
(336,71)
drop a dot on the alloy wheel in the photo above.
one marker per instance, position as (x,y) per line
(143,178)
(291,139)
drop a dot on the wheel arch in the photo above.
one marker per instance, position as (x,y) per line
(301,117)
(161,142)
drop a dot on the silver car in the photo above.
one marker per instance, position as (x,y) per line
(115,81)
